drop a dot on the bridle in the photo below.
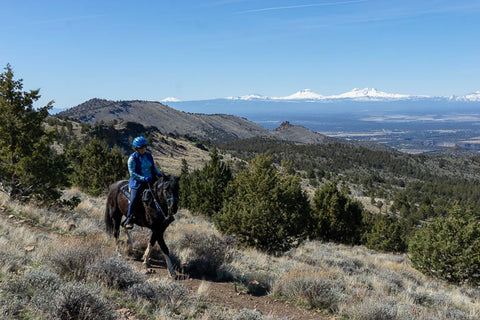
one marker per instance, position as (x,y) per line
(169,199)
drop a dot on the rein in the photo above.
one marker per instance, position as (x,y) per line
(159,210)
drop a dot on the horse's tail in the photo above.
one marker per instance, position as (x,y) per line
(109,224)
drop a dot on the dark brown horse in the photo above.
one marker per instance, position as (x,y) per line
(155,214)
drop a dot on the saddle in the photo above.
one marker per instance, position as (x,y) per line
(146,194)
(126,191)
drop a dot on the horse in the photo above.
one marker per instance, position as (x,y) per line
(150,214)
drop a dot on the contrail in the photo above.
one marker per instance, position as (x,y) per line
(302,6)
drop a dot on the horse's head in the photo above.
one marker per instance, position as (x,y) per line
(167,190)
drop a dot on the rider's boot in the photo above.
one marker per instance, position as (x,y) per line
(127,224)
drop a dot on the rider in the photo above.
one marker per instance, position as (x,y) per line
(142,171)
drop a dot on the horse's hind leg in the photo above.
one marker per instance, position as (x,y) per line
(128,237)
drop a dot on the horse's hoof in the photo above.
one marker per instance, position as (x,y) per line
(146,263)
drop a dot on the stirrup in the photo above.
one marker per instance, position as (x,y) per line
(128,225)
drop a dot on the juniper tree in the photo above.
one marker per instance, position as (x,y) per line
(386,234)
(29,167)
(449,247)
(96,166)
(265,209)
(336,217)
(207,186)
(184,185)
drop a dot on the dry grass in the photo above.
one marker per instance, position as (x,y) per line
(353,282)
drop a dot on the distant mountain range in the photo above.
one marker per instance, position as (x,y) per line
(366,94)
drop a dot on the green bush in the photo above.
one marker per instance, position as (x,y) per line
(448,248)
(386,234)
(264,209)
(96,166)
(336,217)
(203,190)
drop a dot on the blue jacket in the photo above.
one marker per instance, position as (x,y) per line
(136,177)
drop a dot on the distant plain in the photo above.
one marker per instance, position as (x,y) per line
(414,126)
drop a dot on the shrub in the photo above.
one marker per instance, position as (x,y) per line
(42,279)
(77,301)
(264,209)
(72,262)
(374,309)
(248,314)
(161,293)
(309,287)
(35,290)
(336,217)
(448,248)
(45,285)
(115,273)
(204,253)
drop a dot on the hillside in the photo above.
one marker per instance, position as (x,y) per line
(217,127)
(56,260)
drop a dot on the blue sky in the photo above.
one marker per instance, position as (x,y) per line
(149,50)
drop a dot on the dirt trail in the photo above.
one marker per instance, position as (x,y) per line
(228,295)
(221,294)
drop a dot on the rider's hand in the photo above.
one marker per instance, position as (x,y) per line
(148,179)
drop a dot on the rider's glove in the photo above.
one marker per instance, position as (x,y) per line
(148,179)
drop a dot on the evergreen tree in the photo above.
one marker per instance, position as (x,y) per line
(385,234)
(336,217)
(449,248)
(207,186)
(265,209)
(96,166)
(29,168)
(184,185)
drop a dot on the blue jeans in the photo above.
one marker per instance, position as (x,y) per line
(135,195)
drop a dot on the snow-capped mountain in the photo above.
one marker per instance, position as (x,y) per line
(170,99)
(305,94)
(249,97)
(355,94)
(468,97)
(368,94)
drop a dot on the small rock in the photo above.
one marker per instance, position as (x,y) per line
(29,248)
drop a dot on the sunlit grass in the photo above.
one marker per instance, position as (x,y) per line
(353,282)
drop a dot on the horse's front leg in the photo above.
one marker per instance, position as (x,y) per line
(166,254)
(148,251)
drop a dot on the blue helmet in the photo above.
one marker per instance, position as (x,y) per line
(139,142)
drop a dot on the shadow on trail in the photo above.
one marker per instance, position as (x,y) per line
(202,269)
